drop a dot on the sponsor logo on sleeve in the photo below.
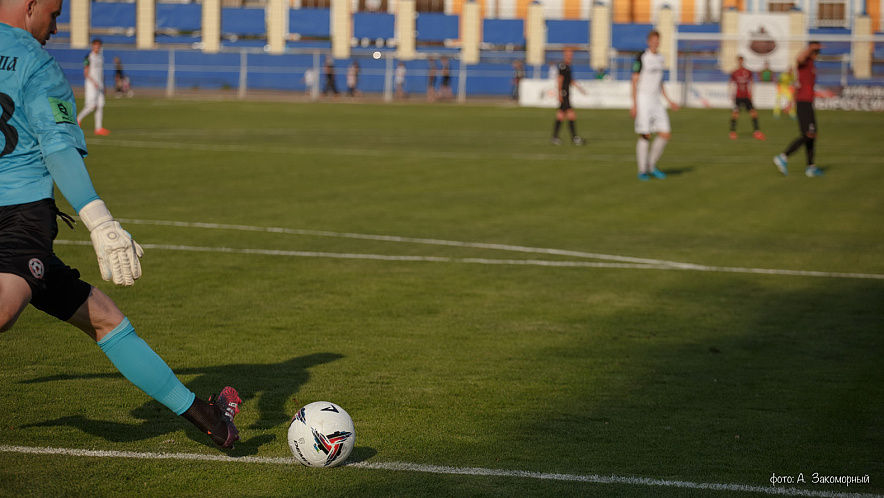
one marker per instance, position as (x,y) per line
(62,111)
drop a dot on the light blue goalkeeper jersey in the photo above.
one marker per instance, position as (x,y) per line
(39,117)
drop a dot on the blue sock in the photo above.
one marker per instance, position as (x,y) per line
(143,367)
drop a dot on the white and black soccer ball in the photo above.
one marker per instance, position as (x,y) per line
(321,435)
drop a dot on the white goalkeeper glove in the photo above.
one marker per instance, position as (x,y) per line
(117,253)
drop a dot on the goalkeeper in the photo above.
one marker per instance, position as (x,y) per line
(42,144)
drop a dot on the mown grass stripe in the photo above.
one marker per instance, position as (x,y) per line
(423,154)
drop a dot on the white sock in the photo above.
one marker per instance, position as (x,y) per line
(99,114)
(641,154)
(657,150)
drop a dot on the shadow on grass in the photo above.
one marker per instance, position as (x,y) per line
(677,171)
(271,385)
(730,383)
(361,454)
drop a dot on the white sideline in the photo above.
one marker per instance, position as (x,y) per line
(440,469)
(623,261)
(396,238)
(486,261)
(382,257)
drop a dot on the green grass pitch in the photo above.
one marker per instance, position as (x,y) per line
(476,299)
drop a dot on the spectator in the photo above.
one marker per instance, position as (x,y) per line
(121,81)
(445,92)
(330,84)
(431,79)
(766,75)
(309,80)
(399,79)
(353,79)
(518,76)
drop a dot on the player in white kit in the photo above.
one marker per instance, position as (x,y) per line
(648,109)
(93,71)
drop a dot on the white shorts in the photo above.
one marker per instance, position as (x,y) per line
(94,96)
(651,117)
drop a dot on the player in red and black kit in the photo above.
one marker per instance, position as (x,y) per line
(565,110)
(804,107)
(741,89)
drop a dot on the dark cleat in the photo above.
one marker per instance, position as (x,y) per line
(227,406)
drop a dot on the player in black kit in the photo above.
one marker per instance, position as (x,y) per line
(565,110)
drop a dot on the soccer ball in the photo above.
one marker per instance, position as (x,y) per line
(321,435)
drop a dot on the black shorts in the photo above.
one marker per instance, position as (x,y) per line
(742,103)
(806,117)
(566,101)
(26,235)
(446,81)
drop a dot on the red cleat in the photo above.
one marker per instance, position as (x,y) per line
(102,131)
(733,135)
(758,135)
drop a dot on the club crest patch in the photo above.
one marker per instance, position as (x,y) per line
(36,267)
